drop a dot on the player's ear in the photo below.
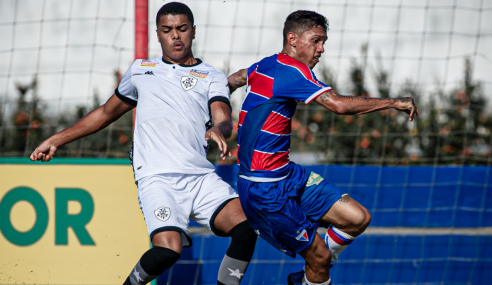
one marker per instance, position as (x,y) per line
(292,39)
(193,32)
(158,38)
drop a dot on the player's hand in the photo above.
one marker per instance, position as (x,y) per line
(216,135)
(44,152)
(407,105)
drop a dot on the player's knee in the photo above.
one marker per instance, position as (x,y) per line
(157,259)
(358,222)
(243,236)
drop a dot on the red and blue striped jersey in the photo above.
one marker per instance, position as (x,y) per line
(274,86)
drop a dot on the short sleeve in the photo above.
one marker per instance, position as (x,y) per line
(219,90)
(126,91)
(294,80)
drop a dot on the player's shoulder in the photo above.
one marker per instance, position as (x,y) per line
(209,71)
(287,63)
(141,65)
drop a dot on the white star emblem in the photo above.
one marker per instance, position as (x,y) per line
(137,275)
(236,273)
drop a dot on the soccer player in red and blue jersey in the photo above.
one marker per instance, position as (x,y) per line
(284,202)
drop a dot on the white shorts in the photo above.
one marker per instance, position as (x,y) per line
(168,201)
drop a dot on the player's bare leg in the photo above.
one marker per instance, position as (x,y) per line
(348,220)
(231,221)
(318,259)
(166,250)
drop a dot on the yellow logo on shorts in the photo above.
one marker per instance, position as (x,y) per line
(314,178)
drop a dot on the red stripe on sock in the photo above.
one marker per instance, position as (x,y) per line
(337,239)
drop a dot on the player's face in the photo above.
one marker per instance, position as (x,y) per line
(175,33)
(309,46)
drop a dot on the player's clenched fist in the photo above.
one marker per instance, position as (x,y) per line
(407,105)
(44,152)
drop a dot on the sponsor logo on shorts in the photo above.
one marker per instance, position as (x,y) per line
(148,63)
(314,178)
(303,236)
(162,213)
(188,82)
(199,73)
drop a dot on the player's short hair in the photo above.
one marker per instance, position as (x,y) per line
(174,8)
(300,21)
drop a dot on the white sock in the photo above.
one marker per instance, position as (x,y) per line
(306,282)
(337,241)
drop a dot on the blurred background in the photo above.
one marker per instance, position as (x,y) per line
(426,182)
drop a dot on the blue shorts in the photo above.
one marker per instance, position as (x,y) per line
(285,213)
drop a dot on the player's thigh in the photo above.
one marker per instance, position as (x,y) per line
(162,210)
(318,196)
(211,196)
(230,216)
(346,212)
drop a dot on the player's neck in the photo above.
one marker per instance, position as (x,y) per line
(186,60)
(289,52)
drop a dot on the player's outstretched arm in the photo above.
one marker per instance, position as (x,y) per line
(356,105)
(94,121)
(222,130)
(237,79)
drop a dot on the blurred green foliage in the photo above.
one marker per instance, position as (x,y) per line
(453,128)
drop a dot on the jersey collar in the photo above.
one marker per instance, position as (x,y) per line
(198,62)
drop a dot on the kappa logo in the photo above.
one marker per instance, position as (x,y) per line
(199,73)
(137,276)
(148,63)
(149,72)
(162,213)
(188,82)
(303,236)
(236,273)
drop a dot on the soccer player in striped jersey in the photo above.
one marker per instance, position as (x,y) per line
(283,201)
(177,97)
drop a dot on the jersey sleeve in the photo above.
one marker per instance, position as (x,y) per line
(219,90)
(298,82)
(126,91)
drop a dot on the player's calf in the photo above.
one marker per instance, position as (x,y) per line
(152,264)
(318,259)
(238,255)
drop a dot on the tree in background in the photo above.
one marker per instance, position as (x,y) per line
(27,120)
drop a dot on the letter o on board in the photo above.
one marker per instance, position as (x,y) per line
(36,200)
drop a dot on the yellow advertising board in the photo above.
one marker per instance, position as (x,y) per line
(69,221)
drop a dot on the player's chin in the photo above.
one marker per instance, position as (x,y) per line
(313,63)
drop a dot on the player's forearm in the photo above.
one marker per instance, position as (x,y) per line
(225,128)
(355,105)
(237,80)
(89,124)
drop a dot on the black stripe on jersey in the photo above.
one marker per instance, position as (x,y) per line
(220,99)
(124,98)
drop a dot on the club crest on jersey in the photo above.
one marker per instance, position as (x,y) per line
(162,213)
(148,63)
(303,236)
(199,73)
(188,82)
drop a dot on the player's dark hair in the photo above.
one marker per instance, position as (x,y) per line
(300,21)
(174,8)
